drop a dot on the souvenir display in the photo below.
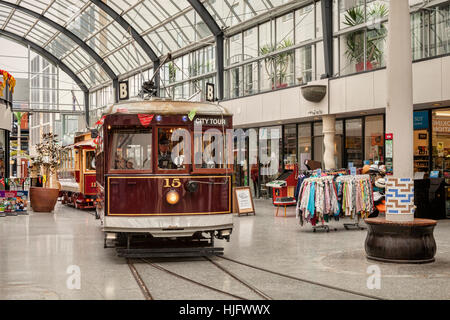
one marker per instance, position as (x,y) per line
(13,202)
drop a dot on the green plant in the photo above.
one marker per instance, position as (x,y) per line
(375,37)
(47,158)
(276,65)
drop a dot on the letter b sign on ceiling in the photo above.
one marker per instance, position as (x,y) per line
(123,90)
(210,92)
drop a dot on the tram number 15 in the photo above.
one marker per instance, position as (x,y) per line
(174,184)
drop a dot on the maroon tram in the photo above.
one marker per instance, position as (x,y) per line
(148,180)
(77,173)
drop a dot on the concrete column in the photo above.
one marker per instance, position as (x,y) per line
(329,131)
(399,112)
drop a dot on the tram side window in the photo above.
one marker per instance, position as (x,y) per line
(211,150)
(90,160)
(131,150)
(71,159)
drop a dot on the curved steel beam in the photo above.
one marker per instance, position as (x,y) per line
(47,55)
(67,33)
(136,36)
(50,57)
(218,33)
(206,17)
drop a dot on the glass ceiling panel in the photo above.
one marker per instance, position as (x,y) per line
(63,11)
(166,25)
(229,13)
(35,5)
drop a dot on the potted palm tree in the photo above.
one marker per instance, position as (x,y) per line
(276,65)
(43,199)
(355,52)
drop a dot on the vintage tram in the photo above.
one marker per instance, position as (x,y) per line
(153,184)
(77,173)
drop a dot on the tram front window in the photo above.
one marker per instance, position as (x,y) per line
(170,153)
(132,150)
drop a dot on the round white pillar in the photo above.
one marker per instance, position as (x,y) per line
(329,132)
(399,113)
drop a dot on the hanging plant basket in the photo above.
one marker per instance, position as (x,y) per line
(314,93)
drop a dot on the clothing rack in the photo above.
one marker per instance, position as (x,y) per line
(323,226)
(318,199)
(355,225)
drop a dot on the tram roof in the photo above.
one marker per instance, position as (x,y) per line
(166,106)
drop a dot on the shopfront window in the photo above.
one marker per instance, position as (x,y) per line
(421,142)
(290,146)
(304,144)
(374,138)
(269,153)
(353,142)
(338,143)
(318,142)
(131,150)
(240,155)
(253,162)
(441,142)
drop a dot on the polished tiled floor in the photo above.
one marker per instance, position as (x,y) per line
(38,252)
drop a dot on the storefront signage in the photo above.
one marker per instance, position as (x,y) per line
(389,153)
(211,121)
(441,125)
(420,120)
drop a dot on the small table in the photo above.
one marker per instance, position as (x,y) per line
(400,241)
(284,202)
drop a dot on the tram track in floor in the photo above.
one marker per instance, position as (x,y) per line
(233,275)
(352,292)
(148,296)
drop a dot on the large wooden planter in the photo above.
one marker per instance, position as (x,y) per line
(43,199)
(400,242)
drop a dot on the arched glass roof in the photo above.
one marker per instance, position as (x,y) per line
(165,26)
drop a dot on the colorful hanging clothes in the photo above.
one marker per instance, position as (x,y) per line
(320,198)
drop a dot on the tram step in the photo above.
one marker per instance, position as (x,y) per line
(168,252)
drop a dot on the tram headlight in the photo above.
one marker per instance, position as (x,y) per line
(172,197)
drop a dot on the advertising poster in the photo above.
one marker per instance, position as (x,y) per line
(2,206)
(21,201)
(13,202)
(10,202)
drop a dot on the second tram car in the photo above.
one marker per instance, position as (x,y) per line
(144,190)
(77,173)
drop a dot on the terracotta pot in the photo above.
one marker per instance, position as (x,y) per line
(43,199)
